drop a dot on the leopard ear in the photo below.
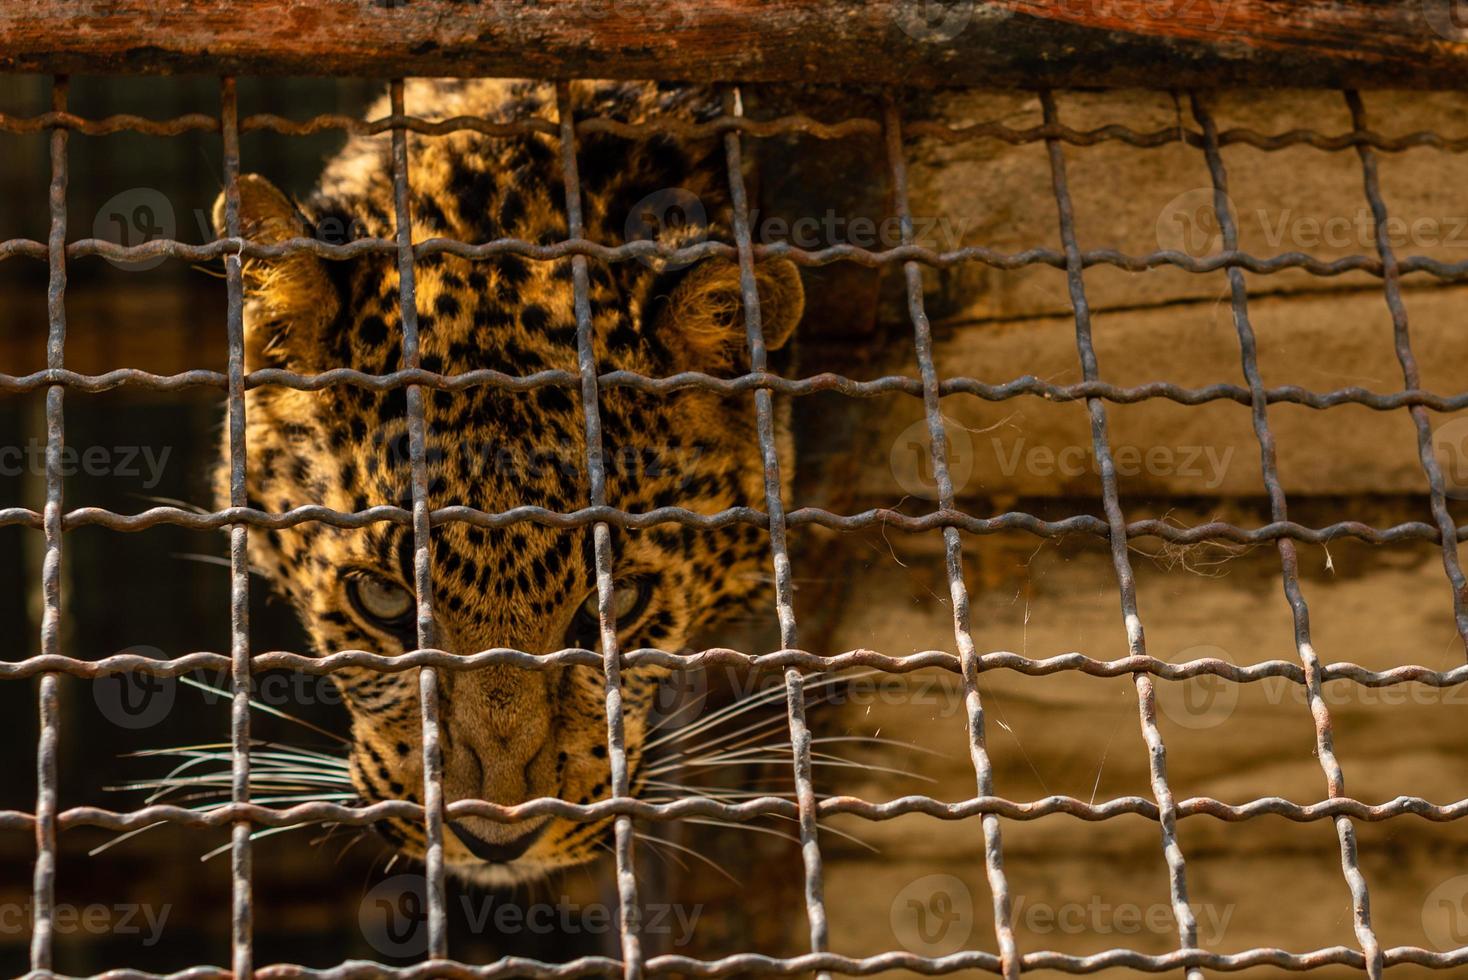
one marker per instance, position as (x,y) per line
(698,313)
(291,297)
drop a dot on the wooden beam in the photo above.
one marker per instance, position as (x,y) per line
(1367,43)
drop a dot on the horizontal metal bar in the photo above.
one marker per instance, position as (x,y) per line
(759,128)
(644,249)
(313,665)
(810,385)
(756,964)
(889,520)
(765,806)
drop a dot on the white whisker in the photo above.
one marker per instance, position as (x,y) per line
(777,722)
(744,758)
(122,837)
(693,853)
(702,700)
(652,842)
(262,706)
(267,832)
(763,698)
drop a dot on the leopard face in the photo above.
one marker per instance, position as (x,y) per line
(508,734)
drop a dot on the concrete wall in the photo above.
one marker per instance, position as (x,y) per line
(1080,887)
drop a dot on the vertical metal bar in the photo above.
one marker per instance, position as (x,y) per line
(422,563)
(629,924)
(953,553)
(241,919)
(1289,562)
(1187,926)
(44,883)
(800,737)
(1391,276)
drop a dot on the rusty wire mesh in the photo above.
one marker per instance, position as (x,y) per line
(241,815)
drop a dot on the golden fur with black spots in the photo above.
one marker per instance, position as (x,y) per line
(508,734)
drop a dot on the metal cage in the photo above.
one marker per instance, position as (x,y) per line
(1201,132)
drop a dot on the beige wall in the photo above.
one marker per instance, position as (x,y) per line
(1262,882)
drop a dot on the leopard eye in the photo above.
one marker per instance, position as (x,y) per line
(625,599)
(629,600)
(380,601)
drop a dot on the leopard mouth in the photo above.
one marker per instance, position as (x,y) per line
(492,852)
(666,769)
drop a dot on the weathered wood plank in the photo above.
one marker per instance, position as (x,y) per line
(1049,42)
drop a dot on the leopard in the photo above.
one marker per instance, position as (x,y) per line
(509,733)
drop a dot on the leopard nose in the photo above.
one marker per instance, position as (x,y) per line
(485,850)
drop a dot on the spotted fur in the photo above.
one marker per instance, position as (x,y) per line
(508,734)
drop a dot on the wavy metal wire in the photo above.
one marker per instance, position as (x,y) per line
(45,823)
(242,815)
(1187,924)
